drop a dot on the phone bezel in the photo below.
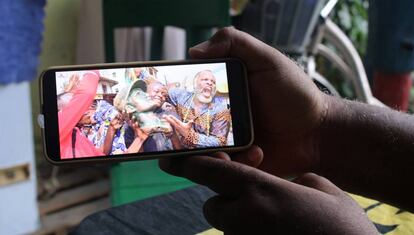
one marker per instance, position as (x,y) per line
(239,102)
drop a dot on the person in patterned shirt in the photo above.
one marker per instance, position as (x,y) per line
(205,117)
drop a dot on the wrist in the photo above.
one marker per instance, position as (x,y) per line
(349,137)
(330,129)
(110,127)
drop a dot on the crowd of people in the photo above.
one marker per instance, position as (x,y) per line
(144,116)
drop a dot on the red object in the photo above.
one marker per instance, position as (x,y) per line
(393,89)
(70,115)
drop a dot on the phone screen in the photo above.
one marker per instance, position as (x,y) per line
(150,109)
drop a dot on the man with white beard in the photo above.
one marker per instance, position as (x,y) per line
(205,117)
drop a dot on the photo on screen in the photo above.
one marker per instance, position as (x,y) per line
(143,109)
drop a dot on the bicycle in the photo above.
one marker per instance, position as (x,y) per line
(303,30)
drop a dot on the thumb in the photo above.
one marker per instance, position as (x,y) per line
(220,212)
(320,183)
(252,157)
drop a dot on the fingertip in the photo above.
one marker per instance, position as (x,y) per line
(195,54)
(252,157)
(198,51)
(255,155)
(201,47)
(217,46)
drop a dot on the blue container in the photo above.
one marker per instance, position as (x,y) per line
(284,24)
(21,28)
(391,35)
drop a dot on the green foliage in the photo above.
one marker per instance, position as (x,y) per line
(335,77)
(352,17)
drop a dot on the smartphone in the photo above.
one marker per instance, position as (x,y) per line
(137,111)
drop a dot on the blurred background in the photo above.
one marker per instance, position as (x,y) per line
(355,49)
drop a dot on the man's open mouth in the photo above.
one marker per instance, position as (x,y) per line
(206,92)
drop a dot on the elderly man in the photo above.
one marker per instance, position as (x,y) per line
(205,118)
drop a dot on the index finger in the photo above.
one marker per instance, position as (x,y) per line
(229,42)
(226,178)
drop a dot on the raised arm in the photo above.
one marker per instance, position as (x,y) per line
(83,96)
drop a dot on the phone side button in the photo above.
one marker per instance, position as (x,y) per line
(41,121)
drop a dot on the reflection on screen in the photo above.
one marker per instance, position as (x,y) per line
(143,109)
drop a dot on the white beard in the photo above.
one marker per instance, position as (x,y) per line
(203,99)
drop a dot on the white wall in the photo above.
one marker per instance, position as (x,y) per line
(131,44)
(18,206)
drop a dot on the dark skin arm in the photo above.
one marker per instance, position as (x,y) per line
(115,124)
(369,151)
(109,138)
(140,138)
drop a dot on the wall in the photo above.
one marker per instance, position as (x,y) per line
(58,48)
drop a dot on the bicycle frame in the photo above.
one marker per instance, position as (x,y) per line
(350,64)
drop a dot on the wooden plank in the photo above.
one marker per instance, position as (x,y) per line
(71,179)
(74,196)
(71,217)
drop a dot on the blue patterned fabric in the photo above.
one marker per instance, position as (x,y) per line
(21,28)
(211,127)
(104,114)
